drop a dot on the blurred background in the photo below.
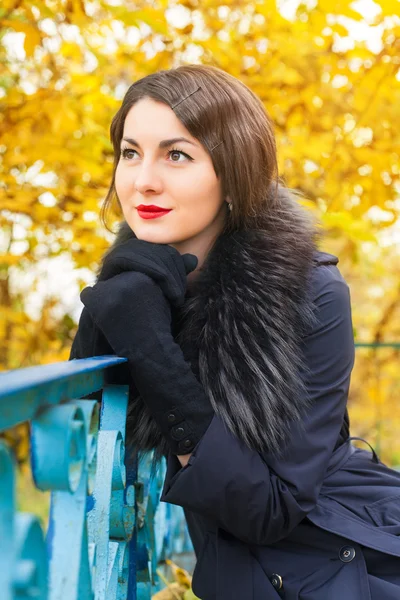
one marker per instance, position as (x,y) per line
(328,74)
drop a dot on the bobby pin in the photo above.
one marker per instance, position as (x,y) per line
(191,94)
(219,143)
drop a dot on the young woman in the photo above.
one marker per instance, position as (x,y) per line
(240,348)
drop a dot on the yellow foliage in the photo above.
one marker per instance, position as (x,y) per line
(173,591)
(180,586)
(337,125)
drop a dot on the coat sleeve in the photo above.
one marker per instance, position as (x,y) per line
(259,498)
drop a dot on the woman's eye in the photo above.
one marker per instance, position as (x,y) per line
(179,152)
(125,151)
(174,154)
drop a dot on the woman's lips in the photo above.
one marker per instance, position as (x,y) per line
(152,214)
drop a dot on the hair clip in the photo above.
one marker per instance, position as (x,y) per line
(191,94)
(188,96)
(219,143)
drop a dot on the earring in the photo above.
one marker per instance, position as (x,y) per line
(230,206)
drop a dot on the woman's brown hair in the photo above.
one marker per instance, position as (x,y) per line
(228,119)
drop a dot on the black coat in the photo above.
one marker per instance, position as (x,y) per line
(311,520)
(279,503)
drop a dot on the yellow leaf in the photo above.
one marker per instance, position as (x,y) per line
(173,592)
(71,50)
(32,40)
(32,34)
(189,595)
(340,7)
(390,7)
(180,575)
(9,260)
(340,29)
(355,230)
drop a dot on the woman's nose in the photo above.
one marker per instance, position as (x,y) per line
(147,178)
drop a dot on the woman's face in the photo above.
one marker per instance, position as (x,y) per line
(178,176)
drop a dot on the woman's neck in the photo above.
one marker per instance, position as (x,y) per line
(201,244)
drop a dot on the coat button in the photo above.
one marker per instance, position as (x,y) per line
(347,553)
(171,418)
(276,581)
(187,443)
(179,431)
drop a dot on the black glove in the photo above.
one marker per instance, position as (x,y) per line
(90,341)
(134,315)
(161,262)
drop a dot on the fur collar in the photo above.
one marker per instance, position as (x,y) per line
(241,328)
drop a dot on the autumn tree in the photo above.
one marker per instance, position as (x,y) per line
(328,74)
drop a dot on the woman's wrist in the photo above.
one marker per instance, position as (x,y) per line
(184,459)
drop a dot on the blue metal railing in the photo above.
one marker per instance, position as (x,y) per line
(107,529)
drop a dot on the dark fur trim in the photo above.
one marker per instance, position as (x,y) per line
(243,320)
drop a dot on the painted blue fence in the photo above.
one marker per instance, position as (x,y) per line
(107,529)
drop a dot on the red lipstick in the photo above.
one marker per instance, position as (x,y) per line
(150,211)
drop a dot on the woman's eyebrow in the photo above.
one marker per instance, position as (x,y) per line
(163,143)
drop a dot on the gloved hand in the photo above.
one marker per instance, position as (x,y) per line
(163,263)
(133,313)
(90,341)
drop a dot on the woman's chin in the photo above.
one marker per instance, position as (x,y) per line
(155,237)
